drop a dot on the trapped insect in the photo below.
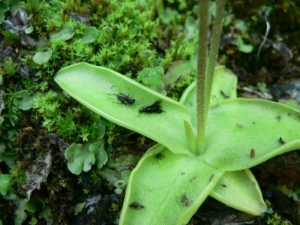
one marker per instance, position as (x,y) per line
(281,141)
(125,99)
(252,153)
(154,108)
(211,177)
(160,156)
(184,200)
(136,205)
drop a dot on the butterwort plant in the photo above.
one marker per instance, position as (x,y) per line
(206,142)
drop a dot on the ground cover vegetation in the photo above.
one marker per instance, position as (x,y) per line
(62,163)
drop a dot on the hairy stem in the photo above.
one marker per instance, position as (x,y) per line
(201,74)
(214,46)
(205,69)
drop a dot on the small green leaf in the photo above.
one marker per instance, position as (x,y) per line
(42,57)
(29,30)
(243,47)
(240,190)
(179,70)
(79,207)
(33,205)
(111,172)
(100,131)
(23,100)
(152,78)
(5,183)
(79,158)
(66,33)
(90,35)
(190,134)
(99,153)
(88,162)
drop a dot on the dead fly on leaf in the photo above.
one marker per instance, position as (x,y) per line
(125,99)
(154,108)
(184,200)
(136,205)
(211,177)
(193,179)
(160,156)
(252,153)
(281,141)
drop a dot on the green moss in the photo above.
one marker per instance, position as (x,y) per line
(276,220)
(130,37)
(9,68)
(152,77)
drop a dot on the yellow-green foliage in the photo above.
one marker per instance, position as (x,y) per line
(276,220)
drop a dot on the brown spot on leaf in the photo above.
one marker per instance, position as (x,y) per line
(252,153)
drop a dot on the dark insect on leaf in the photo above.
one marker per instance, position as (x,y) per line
(239,125)
(125,99)
(224,95)
(252,153)
(211,177)
(136,205)
(193,179)
(281,141)
(184,200)
(160,156)
(154,108)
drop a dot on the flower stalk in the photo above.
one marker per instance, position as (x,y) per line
(206,64)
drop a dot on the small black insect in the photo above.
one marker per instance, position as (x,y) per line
(184,200)
(154,108)
(281,141)
(211,177)
(193,179)
(224,95)
(160,156)
(125,99)
(136,205)
(239,125)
